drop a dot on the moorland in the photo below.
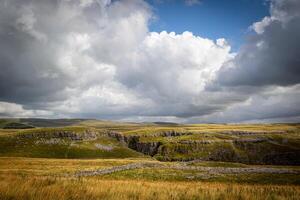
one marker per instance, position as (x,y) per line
(95,159)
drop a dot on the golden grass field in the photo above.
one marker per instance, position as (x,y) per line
(48,188)
(45,179)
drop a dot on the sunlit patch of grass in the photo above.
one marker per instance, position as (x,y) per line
(169,174)
(48,166)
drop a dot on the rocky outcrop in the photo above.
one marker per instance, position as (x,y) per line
(61,134)
(133,142)
(254,150)
(50,141)
(104,147)
(172,133)
(148,148)
(240,133)
(195,142)
(120,137)
(249,140)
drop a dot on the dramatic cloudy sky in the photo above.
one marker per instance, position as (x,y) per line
(187,61)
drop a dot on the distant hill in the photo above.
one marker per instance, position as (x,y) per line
(16,125)
(38,122)
(166,123)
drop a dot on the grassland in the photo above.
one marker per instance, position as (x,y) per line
(44,162)
(56,188)
(35,178)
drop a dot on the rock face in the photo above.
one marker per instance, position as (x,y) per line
(172,133)
(104,147)
(50,141)
(150,148)
(62,134)
(241,133)
(133,142)
(118,136)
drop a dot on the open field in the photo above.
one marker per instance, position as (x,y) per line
(35,178)
(90,159)
(56,188)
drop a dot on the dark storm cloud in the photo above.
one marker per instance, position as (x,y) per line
(268,61)
(277,104)
(27,62)
(270,57)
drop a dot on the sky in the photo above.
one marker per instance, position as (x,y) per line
(211,19)
(185,61)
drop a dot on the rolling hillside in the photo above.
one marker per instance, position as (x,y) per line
(250,144)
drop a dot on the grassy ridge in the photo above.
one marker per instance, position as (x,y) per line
(279,142)
(47,146)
